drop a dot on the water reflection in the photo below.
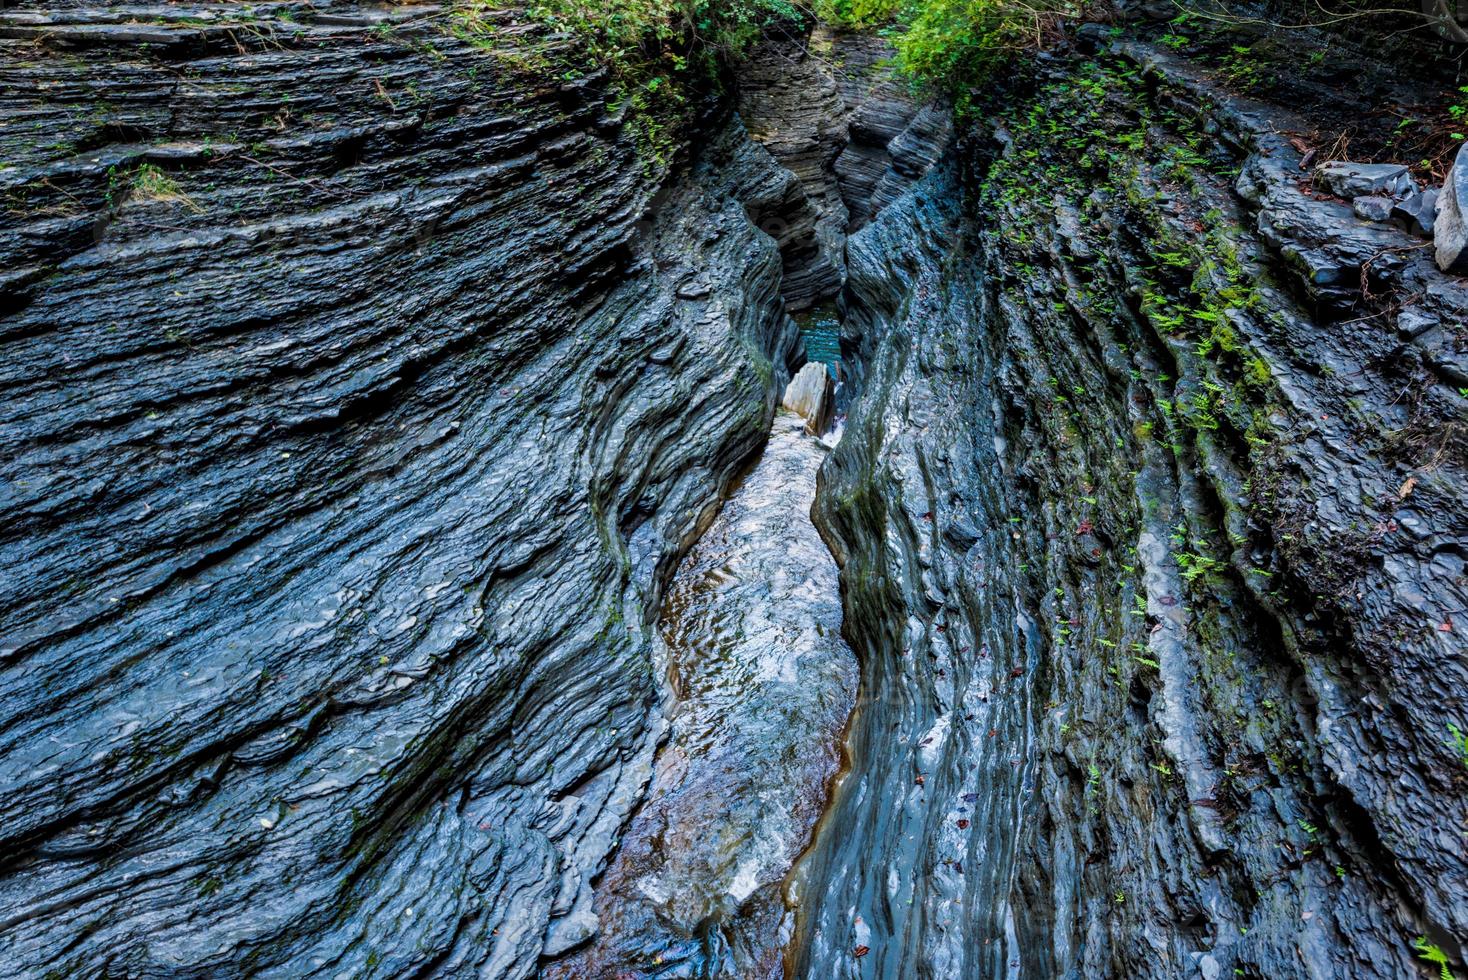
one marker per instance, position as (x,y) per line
(764,685)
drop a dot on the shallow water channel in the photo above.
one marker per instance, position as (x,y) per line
(762,687)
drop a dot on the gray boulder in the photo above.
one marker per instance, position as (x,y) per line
(1352,180)
(1448,232)
(810,395)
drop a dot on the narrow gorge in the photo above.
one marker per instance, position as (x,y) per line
(463,522)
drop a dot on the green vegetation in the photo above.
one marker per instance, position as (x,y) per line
(1434,955)
(622,32)
(151,183)
(1459,742)
(954,45)
(652,47)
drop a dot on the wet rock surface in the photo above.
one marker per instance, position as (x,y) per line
(361,408)
(1150,510)
(762,684)
(830,111)
(1449,231)
(367,391)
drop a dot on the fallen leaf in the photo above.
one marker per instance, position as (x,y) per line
(861,951)
(1407,488)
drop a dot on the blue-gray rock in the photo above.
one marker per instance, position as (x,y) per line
(348,451)
(1417,212)
(1352,180)
(352,447)
(1156,609)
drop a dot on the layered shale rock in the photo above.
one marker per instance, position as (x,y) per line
(369,376)
(1151,517)
(364,392)
(829,108)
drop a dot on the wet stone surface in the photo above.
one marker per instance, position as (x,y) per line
(762,684)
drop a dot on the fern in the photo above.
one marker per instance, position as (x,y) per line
(1434,955)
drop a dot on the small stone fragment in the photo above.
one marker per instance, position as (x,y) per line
(1417,212)
(1373,207)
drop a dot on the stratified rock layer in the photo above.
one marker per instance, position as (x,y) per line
(362,398)
(1152,526)
(830,109)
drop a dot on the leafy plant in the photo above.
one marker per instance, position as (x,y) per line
(1434,955)
(1196,566)
(1459,742)
(954,45)
(651,48)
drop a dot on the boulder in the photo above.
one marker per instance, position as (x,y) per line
(1417,212)
(1373,207)
(811,395)
(1448,232)
(1352,180)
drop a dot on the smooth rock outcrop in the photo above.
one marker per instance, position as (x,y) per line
(1450,230)
(761,688)
(811,395)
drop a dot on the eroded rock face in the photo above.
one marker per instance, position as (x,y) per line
(1152,534)
(348,454)
(830,110)
(367,391)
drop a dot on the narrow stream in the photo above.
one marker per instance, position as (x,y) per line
(763,685)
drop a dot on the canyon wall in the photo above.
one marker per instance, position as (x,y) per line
(1150,512)
(369,376)
(365,384)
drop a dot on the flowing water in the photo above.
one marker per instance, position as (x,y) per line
(820,330)
(762,686)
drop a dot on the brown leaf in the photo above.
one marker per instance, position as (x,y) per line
(1407,488)
(861,951)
